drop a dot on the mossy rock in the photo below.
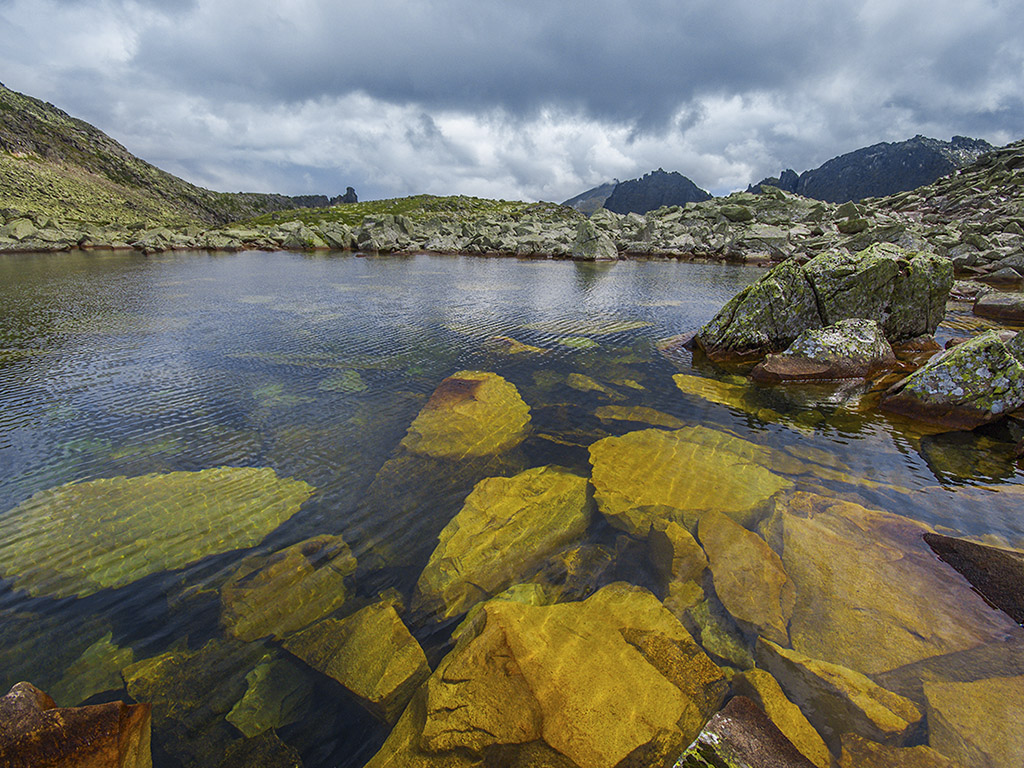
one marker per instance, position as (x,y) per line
(79,538)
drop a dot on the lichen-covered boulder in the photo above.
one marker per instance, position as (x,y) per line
(838,700)
(371,653)
(79,538)
(507,527)
(973,383)
(749,577)
(977,723)
(471,413)
(849,349)
(904,292)
(653,475)
(588,684)
(35,732)
(870,593)
(591,244)
(282,592)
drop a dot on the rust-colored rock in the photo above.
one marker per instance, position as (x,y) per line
(35,733)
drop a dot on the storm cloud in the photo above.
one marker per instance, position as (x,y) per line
(528,99)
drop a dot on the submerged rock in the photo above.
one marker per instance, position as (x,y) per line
(978,723)
(35,732)
(839,700)
(742,736)
(998,574)
(280,593)
(675,554)
(506,528)
(471,413)
(760,687)
(859,752)
(870,594)
(98,669)
(371,653)
(654,476)
(849,349)
(277,694)
(904,292)
(264,751)
(749,578)
(79,538)
(973,383)
(561,682)
(639,414)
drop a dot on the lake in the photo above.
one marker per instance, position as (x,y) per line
(115,365)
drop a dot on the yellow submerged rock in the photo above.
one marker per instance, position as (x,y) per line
(507,527)
(573,684)
(280,593)
(371,653)
(749,577)
(871,595)
(713,390)
(638,413)
(79,538)
(653,475)
(978,723)
(471,413)
(583,383)
(859,752)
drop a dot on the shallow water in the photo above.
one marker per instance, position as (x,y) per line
(114,364)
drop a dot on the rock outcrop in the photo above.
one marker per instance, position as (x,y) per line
(849,349)
(904,292)
(35,732)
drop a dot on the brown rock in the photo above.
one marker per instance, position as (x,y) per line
(998,574)
(749,578)
(34,732)
(859,752)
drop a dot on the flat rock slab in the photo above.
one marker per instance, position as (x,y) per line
(998,574)
(978,723)
(859,752)
(1001,306)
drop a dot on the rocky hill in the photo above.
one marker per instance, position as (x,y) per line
(880,170)
(654,190)
(594,198)
(57,166)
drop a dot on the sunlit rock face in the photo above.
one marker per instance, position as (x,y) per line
(652,475)
(79,538)
(282,592)
(506,528)
(471,413)
(870,593)
(562,681)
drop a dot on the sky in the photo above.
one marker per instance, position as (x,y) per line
(514,99)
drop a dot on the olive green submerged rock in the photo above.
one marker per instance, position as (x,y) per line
(859,752)
(749,578)
(870,593)
(971,384)
(98,669)
(277,694)
(371,653)
(978,723)
(904,292)
(506,528)
(561,683)
(282,592)
(471,413)
(849,349)
(79,538)
(652,475)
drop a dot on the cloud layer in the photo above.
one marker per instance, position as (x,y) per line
(518,99)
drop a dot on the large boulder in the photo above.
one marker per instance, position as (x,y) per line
(506,528)
(471,413)
(870,593)
(973,383)
(591,244)
(35,732)
(838,700)
(79,538)
(904,292)
(371,653)
(849,349)
(978,723)
(749,577)
(562,681)
(285,591)
(653,476)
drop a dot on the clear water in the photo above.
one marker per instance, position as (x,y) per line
(315,365)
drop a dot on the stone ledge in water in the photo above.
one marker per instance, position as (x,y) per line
(279,593)
(35,732)
(1001,306)
(471,413)
(973,383)
(849,349)
(79,538)
(742,736)
(506,528)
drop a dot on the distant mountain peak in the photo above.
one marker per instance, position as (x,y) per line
(654,190)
